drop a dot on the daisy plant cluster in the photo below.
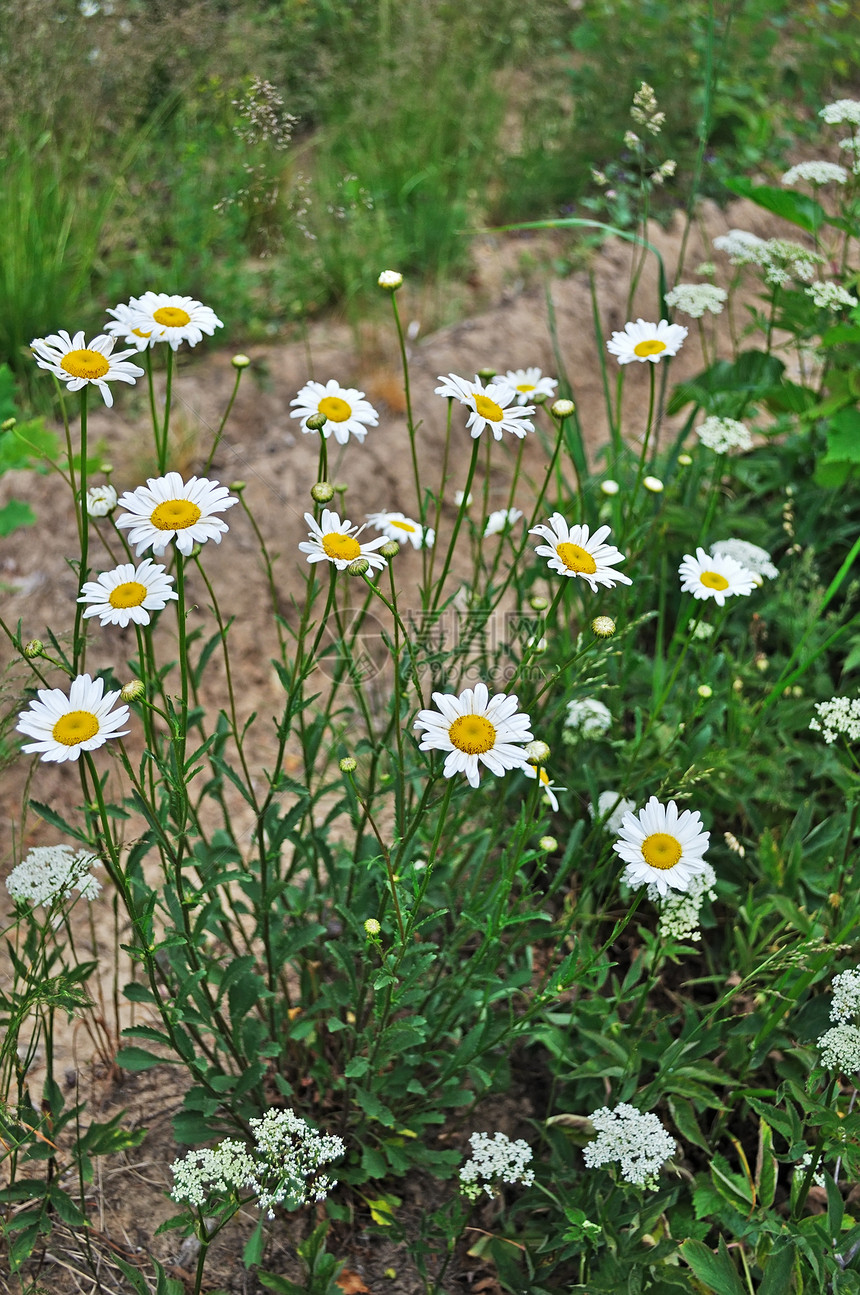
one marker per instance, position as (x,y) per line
(541,790)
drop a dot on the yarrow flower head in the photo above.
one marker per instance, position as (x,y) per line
(476,729)
(830,296)
(167,317)
(838,717)
(643,342)
(333,540)
(610,810)
(840,1049)
(51,872)
(345,410)
(168,508)
(494,406)
(501,520)
(282,1168)
(530,384)
(101,500)
(719,578)
(638,1143)
(695,298)
(495,1157)
(128,593)
(573,552)
(724,434)
(397,526)
(846,995)
(815,173)
(79,363)
(586,716)
(662,847)
(755,559)
(65,726)
(680,910)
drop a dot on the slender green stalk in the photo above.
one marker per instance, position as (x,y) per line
(220,432)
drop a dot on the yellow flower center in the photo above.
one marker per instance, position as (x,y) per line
(77,726)
(649,347)
(131,594)
(171,317)
(175,515)
(336,545)
(661,850)
(488,408)
(576,558)
(85,364)
(138,332)
(713,580)
(334,409)
(526,386)
(473,734)
(403,526)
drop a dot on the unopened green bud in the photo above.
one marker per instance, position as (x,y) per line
(538,752)
(390,549)
(486,375)
(358,567)
(538,603)
(705,690)
(133,690)
(685,460)
(33,649)
(238,486)
(548,843)
(316,422)
(348,764)
(322,492)
(372,927)
(562,408)
(240,361)
(341,487)
(8,424)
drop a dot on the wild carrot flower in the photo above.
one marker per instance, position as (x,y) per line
(695,298)
(495,1157)
(476,729)
(815,173)
(846,995)
(51,872)
(755,559)
(610,810)
(168,508)
(724,434)
(65,726)
(840,1049)
(830,296)
(78,363)
(586,716)
(639,1143)
(662,847)
(839,716)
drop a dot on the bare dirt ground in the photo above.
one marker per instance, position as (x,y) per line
(263,446)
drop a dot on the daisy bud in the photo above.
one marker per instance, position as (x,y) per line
(390,549)
(610,487)
(107,469)
(238,486)
(537,645)
(316,422)
(322,492)
(548,843)
(705,690)
(34,649)
(538,603)
(240,361)
(562,408)
(486,375)
(684,460)
(372,927)
(603,627)
(537,751)
(359,567)
(133,690)
(341,487)
(390,280)
(8,424)
(348,764)
(654,484)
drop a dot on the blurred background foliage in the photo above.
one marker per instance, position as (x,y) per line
(417,123)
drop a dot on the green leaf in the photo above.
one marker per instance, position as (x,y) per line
(281,1285)
(686,1123)
(56,820)
(14,515)
(140,1059)
(777,1269)
(766,1167)
(253,1251)
(715,1270)
(67,1209)
(800,209)
(843,437)
(134,1275)
(357,1067)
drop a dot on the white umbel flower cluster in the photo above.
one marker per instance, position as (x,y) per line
(610,810)
(586,717)
(741,247)
(846,995)
(840,1049)
(815,173)
(495,1157)
(282,1168)
(830,296)
(679,912)
(839,716)
(50,873)
(724,434)
(784,260)
(639,1143)
(752,557)
(842,110)
(695,298)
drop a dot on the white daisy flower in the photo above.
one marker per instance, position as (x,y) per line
(169,508)
(476,729)
(500,520)
(572,553)
(344,408)
(397,526)
(643,341)
(173,319)
(101,500)
(78,363)
(755,559)
(65,726)
(717,577)
(333,540)
(126,323)
(493,406)
(549,788)
(128,593)
(661,847)
(529,384)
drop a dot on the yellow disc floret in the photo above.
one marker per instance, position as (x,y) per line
(661,850)
(175,514)
(77,726)
(488,408)
(473,734)
(130,594)
(334,409)
(341,547)
(403,526)
(171,316)
(85,364)
(649,347)
(576,558)
(713,580)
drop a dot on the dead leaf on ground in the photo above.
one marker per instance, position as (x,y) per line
(351,1283)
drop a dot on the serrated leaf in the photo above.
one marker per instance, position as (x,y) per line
(139,1059)
(800,209)
(56,820)
(777,1269)
(715,1270)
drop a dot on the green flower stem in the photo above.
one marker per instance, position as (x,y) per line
(476,443)
(322,467)
(713,496)
(392,607)
(643,457)
(536,637)
(153,413)
(614,415)
(223,423)
(79,639)
(816,1156)
(181,613)
(392,884)
(443,481)
(410,422)
(268,562)
(168,397)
